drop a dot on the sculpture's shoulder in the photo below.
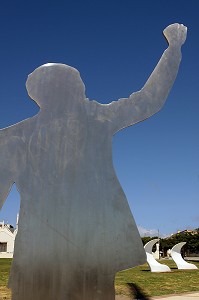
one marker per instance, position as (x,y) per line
(98,111)
(16,133)
(91,106)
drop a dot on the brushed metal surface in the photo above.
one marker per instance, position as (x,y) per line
(76,229)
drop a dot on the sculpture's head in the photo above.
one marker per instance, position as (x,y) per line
(55,85)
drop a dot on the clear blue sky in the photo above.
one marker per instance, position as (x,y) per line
(115,45)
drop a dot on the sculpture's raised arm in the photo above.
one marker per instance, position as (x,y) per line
(151,97)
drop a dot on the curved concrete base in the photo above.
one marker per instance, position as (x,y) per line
(153,264)
(177,257)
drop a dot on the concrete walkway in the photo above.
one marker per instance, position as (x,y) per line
(190,296)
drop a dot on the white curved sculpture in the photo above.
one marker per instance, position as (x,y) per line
(177,257)
(153,264)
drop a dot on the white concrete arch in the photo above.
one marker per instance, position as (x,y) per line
(153,264)
(177,257)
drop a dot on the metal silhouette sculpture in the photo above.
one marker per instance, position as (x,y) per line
(179,260)
(154,265)
(75,227)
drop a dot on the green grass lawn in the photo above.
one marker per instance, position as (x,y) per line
(136,280)
(5,264)
(157,284)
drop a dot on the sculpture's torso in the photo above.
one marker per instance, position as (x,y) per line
(73,210)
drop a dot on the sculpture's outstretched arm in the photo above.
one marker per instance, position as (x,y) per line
(5,187)
(7,165)
(151,97)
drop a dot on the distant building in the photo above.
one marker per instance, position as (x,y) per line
(7,239)
(181,232)
(193,232)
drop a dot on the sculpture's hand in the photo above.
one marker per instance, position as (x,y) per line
(175,34)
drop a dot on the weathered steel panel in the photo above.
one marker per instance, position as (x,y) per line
(76,229)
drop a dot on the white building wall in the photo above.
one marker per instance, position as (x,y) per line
(8,237)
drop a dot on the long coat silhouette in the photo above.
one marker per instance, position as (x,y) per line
(76,229)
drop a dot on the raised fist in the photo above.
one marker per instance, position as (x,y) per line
(175,34)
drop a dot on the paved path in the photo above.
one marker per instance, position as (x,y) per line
(191,296)
(195,258)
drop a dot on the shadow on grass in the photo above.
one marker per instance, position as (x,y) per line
(136,292)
